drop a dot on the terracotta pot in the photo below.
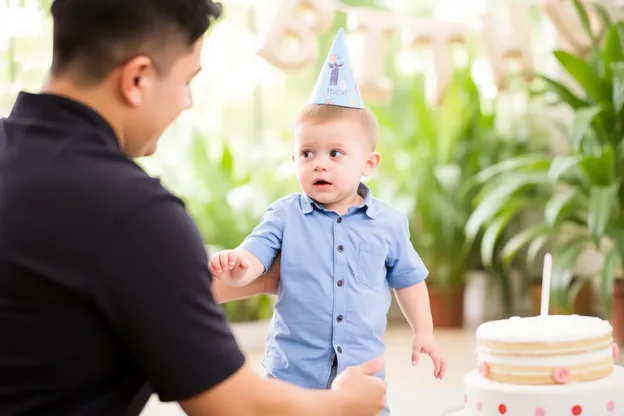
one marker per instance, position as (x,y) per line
(617,320)
(447,306)
(582,304)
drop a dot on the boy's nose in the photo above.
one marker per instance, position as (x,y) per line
(320,167)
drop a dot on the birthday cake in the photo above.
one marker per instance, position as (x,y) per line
(554,365)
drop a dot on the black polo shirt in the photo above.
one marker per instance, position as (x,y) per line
(104,283)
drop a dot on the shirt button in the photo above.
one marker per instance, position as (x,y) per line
(340,248)
(339,318)
(340,283)
(339,349)
(339,220)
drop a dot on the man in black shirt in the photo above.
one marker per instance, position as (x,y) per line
(105,294)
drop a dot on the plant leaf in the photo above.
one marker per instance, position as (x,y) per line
(521,239)
(600,170)
(493,231)
(611,265)
(565,258)
(602,202)
(603,14)
(582,14)
(525,162)
(611,53)
(561,164)
(227,161)
(536,245)
(581,125)
(582,72)
(556,203)
(495,198)
(618,86)
(563,92)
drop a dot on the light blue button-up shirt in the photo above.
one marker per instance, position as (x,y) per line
(334,289)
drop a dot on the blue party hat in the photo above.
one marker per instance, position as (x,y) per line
(336,84)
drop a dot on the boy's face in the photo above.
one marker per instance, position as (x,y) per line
(331,158)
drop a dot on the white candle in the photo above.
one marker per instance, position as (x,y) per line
(546,284)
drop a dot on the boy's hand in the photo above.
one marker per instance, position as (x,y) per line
(230,266)
(426,343)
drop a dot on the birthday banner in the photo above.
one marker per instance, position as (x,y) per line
(304,20)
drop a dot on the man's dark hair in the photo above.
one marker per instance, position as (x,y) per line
(93,37)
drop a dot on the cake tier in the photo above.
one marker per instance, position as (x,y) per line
(553,349)
(593,398)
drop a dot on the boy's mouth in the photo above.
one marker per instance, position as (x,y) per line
(321,182)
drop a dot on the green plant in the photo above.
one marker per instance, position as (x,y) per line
(226,198)
(579,193)
(434,153)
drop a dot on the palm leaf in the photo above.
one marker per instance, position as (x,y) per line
(565,258)
(556,204)
(521,239)
(495,198)
(611,266)
(603,200)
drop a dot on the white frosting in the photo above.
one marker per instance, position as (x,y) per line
(595,398)
(550,328)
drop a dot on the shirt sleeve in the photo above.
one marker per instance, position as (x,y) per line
(155,288)
(266,238)
(405,267)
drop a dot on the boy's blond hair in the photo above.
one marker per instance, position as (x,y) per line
(323,113)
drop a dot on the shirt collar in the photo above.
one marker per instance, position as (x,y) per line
(59,109)
(308,204)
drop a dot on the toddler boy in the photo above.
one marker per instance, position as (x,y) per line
(342,249)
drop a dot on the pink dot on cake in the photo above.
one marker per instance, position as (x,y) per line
(610,405)
(540,411)
(577,410)
(562,374)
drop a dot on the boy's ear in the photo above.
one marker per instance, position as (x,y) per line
(371,163)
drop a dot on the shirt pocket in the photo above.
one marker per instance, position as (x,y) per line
(371,270)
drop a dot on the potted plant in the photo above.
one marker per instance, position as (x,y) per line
(579,192)
(435,154)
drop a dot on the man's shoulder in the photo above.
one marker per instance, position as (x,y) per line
(109,179)
(87,184)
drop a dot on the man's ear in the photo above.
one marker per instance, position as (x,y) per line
(371,163)
(136,77)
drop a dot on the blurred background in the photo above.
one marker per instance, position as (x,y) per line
(501,139)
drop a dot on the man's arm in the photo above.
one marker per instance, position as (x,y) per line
(247,394)
(157,299)
(222,292)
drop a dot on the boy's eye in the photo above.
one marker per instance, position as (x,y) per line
(306,153)
(335,153)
